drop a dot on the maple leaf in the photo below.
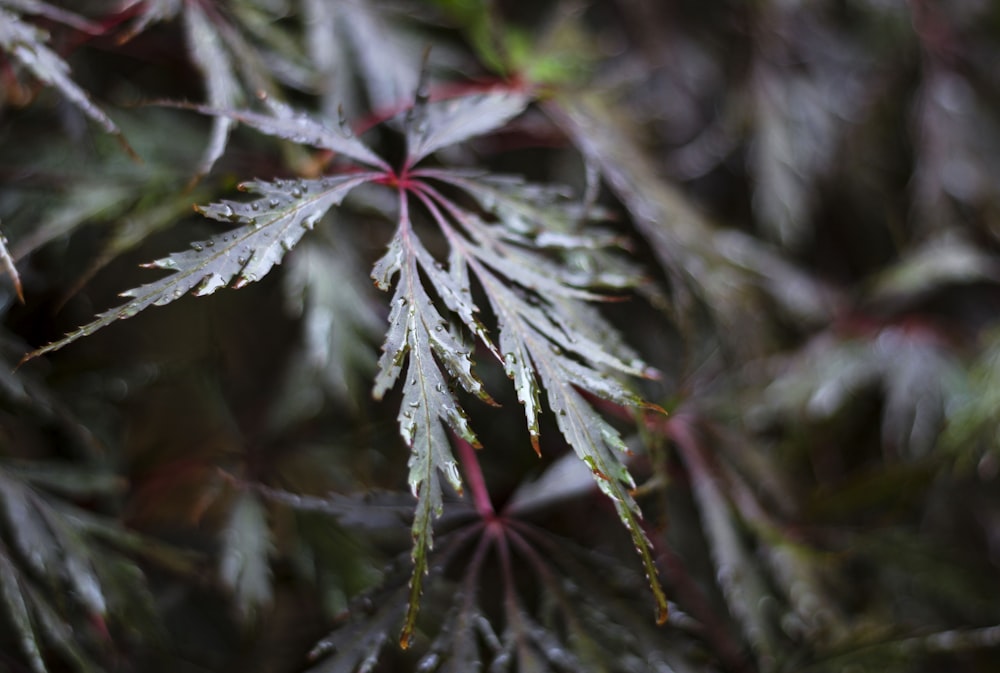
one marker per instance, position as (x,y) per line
(529,248)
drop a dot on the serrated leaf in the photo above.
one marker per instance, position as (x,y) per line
(246,545)
(272,226)
(419,337)
(26,44)
(130,231)
(593,439)
(543,342)
(298,127)
(516,245)
(434,125)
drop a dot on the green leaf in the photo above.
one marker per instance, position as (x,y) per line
(273,225)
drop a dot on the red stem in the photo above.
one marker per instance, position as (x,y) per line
(474,476)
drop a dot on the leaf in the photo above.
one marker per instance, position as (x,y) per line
(387,73)
(542,341)
(66,479)
(340,321)
(148,13)
(129,231)
(204,45)
(433,125)
(17,609)
(722,268)
(243,563)
(53,13)
(7,264)
(738,576)
(942,261)
(285,122)
(272,226)
(801,103)
(359,643)
(26,44)
(83,202)
(419,336)
(52,547)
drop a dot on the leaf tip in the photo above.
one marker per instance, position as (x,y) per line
(662,614)
(535,445)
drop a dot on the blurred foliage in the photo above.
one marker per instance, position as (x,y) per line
(806,192)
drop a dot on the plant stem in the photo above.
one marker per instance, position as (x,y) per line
(474,476)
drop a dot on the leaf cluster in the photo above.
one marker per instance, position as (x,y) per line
(674,301)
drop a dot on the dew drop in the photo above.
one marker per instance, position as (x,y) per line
(209,243)
(198,247)
(273,203)
(296,192)
(255,206)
